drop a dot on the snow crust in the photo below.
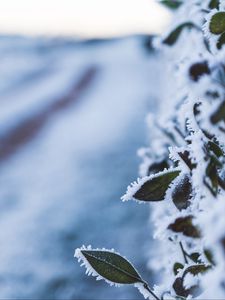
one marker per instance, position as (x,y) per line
(54,188)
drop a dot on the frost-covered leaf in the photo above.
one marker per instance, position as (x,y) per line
(219,114)
(214,4)
(179,287)
(155,188)
(196,109)
(221,179)
(217,23)
(177,266)
(215,149)
(185,155)
(199,69)
(209,256)
(184,225)
(221,41)
(196,269)
(108,265)
(174,35)
(195,257)
(158,167)
(173,4)
(211,173)
(182,193)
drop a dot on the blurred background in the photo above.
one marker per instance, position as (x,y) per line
(77,78)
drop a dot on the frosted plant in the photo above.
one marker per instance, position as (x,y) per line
(183,172)
(113,268)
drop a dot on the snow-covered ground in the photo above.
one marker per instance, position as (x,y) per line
(61,181)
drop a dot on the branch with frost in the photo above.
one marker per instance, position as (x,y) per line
(183,169)
(114,269)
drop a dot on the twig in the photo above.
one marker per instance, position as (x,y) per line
(184,253)
(150,291)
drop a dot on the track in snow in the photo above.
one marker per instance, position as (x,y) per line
(61,183)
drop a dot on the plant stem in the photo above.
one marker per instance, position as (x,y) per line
(150,291)
(209,188)
(179,132)
(184,253)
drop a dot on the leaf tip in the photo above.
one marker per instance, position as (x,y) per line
(132,189)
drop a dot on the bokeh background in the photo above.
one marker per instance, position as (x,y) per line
(77,79)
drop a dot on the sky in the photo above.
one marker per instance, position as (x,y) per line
(88,18)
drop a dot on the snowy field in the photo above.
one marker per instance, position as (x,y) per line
(71,121)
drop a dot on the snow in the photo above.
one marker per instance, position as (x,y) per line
(190,281)
(54,80)
(62,188)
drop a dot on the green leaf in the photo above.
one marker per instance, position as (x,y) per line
(196,269)
(155,188)
(209,256)
(175,34)
(172,4)
(185,156)
(199,69)
(215,149)
(212,174)
(184,225)
(179,288)
(221,41)
(182,193)
(112,266)
(177,266)
(217,23)
(219,115)
(178,284)
(158,167)
(195,257)
(214,4)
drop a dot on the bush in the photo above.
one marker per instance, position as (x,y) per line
(183,173)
